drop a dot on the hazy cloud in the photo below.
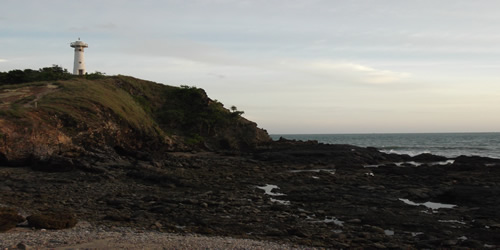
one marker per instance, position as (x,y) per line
(3,60)
(183,49)
(349,71)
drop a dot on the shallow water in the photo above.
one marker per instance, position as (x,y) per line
(328,170)
(268,190)
(431,205)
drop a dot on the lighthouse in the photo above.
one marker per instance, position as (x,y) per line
(79,65)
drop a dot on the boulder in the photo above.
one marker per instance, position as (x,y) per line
(52,220)
(9,218)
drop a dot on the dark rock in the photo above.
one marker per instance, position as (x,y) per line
(354,221)
(449,243)
(23,246)
(3,159)
(117,217)
(470,163)
(88,167)
(426,157)
(471,244)
(5,188)
(275,232)
(9,218)
(419,193)
(55,164)
(297,232)
(52,220)
(475,159)
(379,246)
(471,195)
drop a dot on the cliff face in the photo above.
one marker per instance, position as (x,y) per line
(115,115)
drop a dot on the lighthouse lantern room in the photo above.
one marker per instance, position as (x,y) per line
(79,64)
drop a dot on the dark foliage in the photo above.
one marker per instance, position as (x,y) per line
(53,73)
(28,75)
(188,109)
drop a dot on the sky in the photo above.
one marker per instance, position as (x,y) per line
(293,66)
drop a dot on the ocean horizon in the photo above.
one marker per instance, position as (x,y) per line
(486,144)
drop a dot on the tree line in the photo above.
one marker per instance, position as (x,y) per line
(53,73)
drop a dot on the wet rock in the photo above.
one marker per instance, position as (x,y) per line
(9,218)
(449,243)
(354,221)
(52,220)
(376,229)
(426,158)
(472,244)
(22,245)
(419,193)
(379,246)
(5,188)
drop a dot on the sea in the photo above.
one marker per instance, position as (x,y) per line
(444,144)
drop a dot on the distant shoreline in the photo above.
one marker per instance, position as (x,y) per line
(445,144)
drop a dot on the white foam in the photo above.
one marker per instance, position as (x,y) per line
(414,163)
(442,163)
(417,164)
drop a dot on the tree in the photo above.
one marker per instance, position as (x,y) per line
(235,112)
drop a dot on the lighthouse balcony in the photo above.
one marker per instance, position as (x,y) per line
(79,44)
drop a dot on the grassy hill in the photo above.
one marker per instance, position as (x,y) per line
(118,114)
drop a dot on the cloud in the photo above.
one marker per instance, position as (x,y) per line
(349,71)
(182,49)
(3,60)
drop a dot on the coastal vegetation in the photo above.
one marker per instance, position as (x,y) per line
(53,73)
(118,111)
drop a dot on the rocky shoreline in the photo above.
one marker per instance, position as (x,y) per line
(299,193)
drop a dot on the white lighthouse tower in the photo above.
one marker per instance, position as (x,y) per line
(79,65)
